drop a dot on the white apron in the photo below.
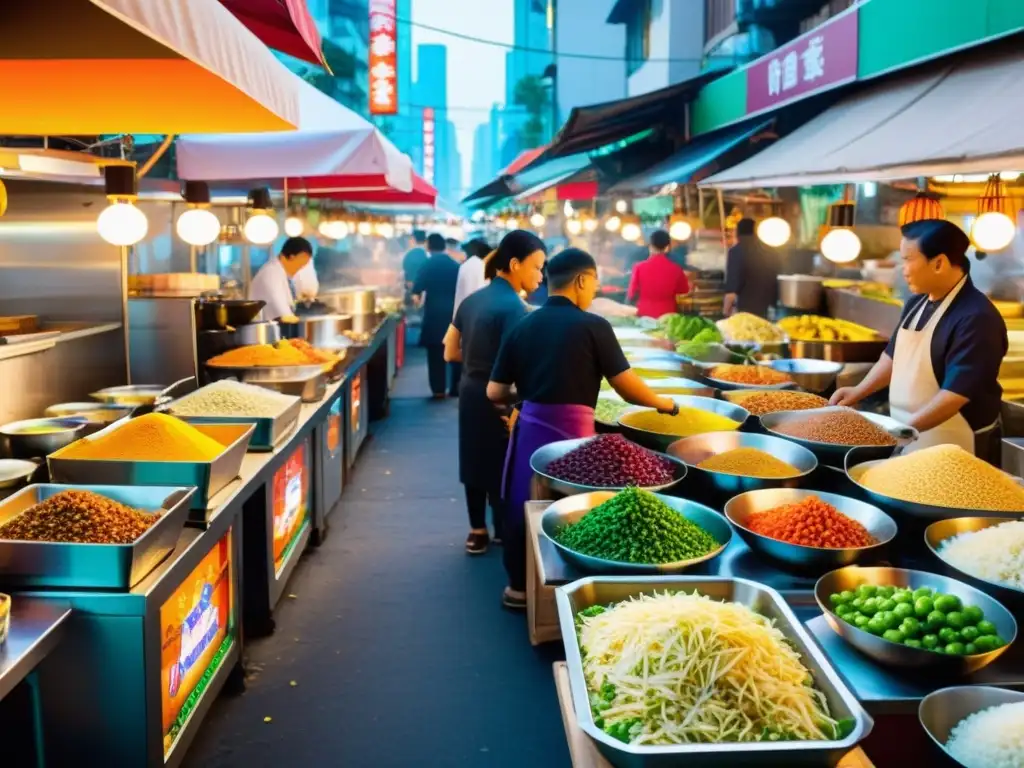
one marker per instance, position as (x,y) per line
(913,381)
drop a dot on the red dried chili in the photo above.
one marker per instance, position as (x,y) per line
(811,523)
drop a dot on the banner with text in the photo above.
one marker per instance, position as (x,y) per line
(383,64)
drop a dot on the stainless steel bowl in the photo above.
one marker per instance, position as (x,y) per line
(262,373)
(542,457)
(730,385)
(856,467)
(737,396)
(15,471)
(693,450)
(812,375)
(658,368)
(572,508)
(941,711)
(935,536)
(894,654)
(31,445)
(661,442)
(820,559)
(834,454)
(709,355)
(131,395)
(90,411)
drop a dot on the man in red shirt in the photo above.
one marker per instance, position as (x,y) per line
(657,280)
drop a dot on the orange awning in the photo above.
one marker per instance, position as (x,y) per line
(88,67)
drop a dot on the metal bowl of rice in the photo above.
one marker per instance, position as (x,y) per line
(960,711)
(987,565)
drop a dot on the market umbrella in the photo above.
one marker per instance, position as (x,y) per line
(91,67)
(422,193)
(284,25)
(332,149)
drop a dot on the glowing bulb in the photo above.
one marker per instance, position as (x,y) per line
(341,229)
(992,232)
(364,228)
(512,223)
(538,219)
(198,226)
(121,223)
(590,224)
(260,229)
(620,206)
(574,226)
(613,224)
(386,230)
(840,245)
(294,226)
(680,230)
(774,231)
(567,209)
(631,231)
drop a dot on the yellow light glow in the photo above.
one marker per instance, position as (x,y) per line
(680,230)
(294,226)
(198,226)
(574,226)
(261,229)
(631,232)
(121,223)
(774,231)
(613,224)
(840,245)
(992,232)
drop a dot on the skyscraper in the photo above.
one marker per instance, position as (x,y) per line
(431,90)
(531,40)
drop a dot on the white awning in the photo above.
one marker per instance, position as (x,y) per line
(961,117)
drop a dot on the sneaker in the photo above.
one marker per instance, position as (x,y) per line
(513,600)
(496,540)
(476,543)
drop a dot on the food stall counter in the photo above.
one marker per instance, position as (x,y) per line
(35,629)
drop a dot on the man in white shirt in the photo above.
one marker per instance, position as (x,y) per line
(306,283)
(272,283)
(471,271)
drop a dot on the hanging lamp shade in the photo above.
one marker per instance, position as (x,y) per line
(920,207)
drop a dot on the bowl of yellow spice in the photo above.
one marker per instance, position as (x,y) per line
(156,449)
(697,415)
(736,462)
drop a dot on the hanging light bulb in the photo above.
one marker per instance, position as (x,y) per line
(365,228)
(326,228)
(993,230)
(774,231)
(341,229)
(574,226)
(294,226)
(841,243)
(538,220)
(121,223)
(261,226)
(631,231)
(590,224)
(613,224)
(679,228)
(198,225)
(512,223)
(621,206)
(386,230)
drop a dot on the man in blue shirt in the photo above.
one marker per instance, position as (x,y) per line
(942,363)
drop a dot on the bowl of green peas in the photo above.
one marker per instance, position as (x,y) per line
(915,619)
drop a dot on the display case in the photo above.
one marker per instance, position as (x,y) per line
(357,413)
(330,459)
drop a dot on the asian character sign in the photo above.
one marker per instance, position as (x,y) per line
(429,127)
(383,64)
(821,59)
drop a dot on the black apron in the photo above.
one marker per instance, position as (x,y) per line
(483,437)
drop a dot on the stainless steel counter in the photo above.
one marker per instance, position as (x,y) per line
(36,627)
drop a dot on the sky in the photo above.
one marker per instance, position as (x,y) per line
(476,72)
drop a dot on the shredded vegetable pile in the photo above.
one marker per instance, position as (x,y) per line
(677,668)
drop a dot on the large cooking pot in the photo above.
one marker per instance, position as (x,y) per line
(218,314)
(266,332)
(357,300)
(800,291)
(324,331)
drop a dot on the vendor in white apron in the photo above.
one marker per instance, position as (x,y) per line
(942,363)
(272,283)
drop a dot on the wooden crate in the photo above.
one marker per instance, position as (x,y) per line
(584,752)
(541,612)
(18,324)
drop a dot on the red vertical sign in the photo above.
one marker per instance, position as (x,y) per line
(428,144)
(383,58)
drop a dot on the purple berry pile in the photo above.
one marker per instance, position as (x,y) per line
(612,461)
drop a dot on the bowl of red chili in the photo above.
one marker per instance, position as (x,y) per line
(808,530)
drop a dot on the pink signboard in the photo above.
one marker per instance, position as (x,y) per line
(816,61)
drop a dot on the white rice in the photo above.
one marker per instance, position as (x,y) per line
(991,738)
(994,554)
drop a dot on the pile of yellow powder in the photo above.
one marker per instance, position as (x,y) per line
(152,437)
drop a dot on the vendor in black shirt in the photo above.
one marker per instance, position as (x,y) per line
(751,273)
(942,363)
(555,359)
(481,323)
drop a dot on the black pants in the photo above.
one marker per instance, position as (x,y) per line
(476,503)
(437,371)
(513,551)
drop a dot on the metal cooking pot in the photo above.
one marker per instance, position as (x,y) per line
(800,291)
(359,300)
(323,331)
(266,332)
(217,314)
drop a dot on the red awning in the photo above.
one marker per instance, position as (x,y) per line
(422,193)
(524,159)
(284,25)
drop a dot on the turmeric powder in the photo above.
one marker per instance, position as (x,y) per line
(152,437)
(254,355)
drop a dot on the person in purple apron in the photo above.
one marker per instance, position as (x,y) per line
(942,363)
(552,362)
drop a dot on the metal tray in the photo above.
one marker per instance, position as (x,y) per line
(208,477)
(268,432)
(834,454)
(543,456)
(57,565)
(309,389)
(131,395)
(842,703)
(936,535)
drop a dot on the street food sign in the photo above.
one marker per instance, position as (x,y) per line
(824,58)
(383,58)
(429,132)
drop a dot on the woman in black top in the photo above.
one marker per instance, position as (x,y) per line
(481,322)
